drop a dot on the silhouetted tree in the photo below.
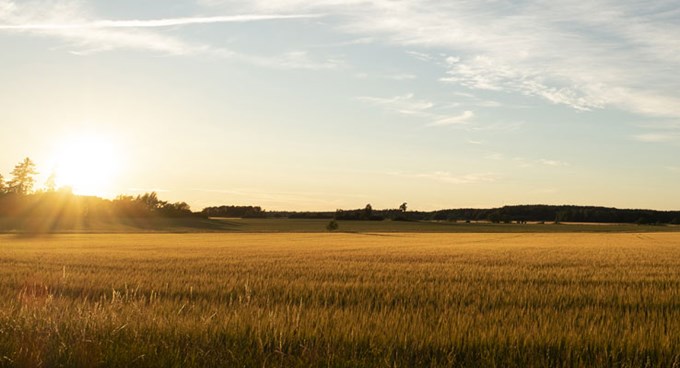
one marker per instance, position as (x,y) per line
(181,206)
(51,182)
(402,208)
(332,225)
(2,184)
(643,221)
(150,200)
(494,217)
(368,211)
(23,177)
(234,211)
(177,209)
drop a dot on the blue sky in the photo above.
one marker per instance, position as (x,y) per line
(334,104)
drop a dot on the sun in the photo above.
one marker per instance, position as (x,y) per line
(88,164)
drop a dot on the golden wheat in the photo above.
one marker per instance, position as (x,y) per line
(510,300)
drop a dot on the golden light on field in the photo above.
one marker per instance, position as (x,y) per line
(88,164)
(341,299)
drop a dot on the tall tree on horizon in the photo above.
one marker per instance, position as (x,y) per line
(403,207)
(368,211)
(51,182)
(2,184)
(23,177)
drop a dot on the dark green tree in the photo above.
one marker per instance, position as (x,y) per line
(494,217)
(332,225)
(368,211)
(23,177)
(150,200)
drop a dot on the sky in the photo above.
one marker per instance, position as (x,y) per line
(302,105)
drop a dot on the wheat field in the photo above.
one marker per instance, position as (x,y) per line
(340,300)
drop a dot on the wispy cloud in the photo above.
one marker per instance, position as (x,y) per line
(487,74)
(156,23)
(586,55)
(422,56)
(447,177)
(496,126)
(657,137)
(454,120)
(423,109)
(386,76)
(659,131)
(548,162)
(451,178)
(404,104)
(525,162)
(296,60)
(72,23)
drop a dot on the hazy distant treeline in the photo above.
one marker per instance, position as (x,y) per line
(235,211)
(564,213)
(64,204)
(506,214)
(19,200)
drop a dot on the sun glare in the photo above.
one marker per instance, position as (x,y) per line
(87,164)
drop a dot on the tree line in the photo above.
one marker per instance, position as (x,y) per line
(505,214)
(559,213)
(18,198)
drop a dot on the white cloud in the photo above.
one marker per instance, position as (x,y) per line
(496,126)
(96,39)
(408,105)
(657,137)
(485,73)
(156,23)
(547,162)
(524,162)
(454,120)
(451,178)
(447,177)
(587,55)
(297,60)
(387,76)
(353,42)
(404,104)
(71,22)
(421,55)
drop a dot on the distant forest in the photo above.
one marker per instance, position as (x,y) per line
(19,200)
(506,214)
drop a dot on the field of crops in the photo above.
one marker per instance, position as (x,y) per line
(341,300)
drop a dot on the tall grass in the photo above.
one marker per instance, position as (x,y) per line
(341,300)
